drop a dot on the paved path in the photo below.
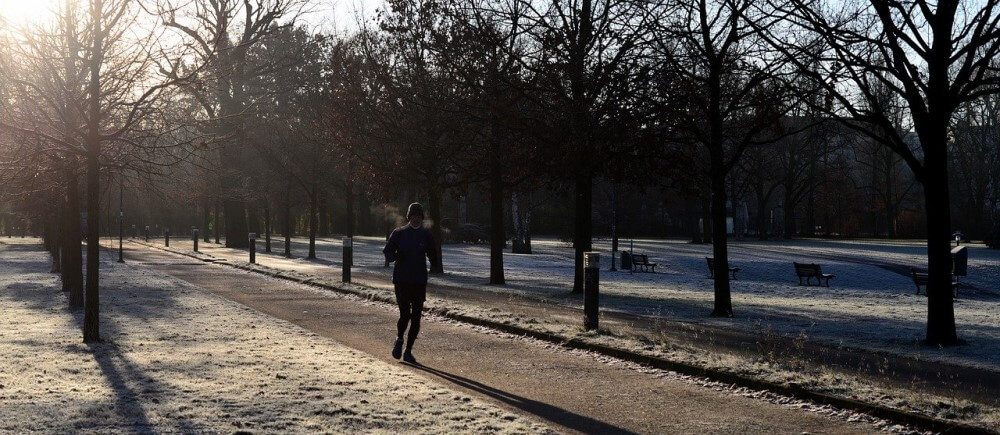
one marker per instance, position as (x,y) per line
(934,377)
(574,392)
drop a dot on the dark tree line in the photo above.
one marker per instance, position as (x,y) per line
(259,125)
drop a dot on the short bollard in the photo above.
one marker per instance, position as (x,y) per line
(348,258)
(133,232)
(194,237)
(147,233)
(166,237)
(253,248)
(591,284)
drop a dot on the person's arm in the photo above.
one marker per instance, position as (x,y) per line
(432,249)
(391,246)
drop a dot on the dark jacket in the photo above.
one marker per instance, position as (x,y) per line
(410,248)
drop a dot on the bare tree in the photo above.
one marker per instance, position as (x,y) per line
(976,154)
(729,93)
(222,33)
(99,106)
(583,50)
(935,55)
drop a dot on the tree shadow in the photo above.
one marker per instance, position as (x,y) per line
(121,374)
(548,412)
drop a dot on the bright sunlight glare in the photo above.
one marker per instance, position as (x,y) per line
(28,11)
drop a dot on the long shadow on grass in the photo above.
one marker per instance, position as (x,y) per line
(125,378)
(551,413)
(132,386)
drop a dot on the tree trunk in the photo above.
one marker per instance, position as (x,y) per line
(723,300)
(706,217)
(789,215)
(206,221)
(497,231)
(435,214)
(364,216)
(313,205)
(53,241)
(583,228)
(218,222)
(691,205)
(515,221)
(940,302)
(811,211)
(288,222)
(995,216)
(521,218)
(324,215)
(526,226)
(763,216)
(253,219)
(91,309)
(349,205)
(890,222)
(267,226)
(72,267)
(614,225)
(235,214)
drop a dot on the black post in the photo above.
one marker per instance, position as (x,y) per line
(121,220)
(591,284)
(614,226)
(133,232)
(253,248)
(348,258)
(194,237)
(166,237)
(147,233)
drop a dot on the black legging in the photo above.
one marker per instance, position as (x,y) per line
(409,312)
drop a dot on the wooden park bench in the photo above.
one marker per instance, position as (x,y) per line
(810,271)
(711,268)
(641,262)
(920,279)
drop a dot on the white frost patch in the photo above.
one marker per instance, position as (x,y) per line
(180,360)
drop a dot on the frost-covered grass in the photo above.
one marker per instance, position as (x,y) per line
(168,365)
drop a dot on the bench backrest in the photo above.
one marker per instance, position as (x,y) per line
(807,269)
(919,276)
(640,258)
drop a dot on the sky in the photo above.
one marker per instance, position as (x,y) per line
(22,11)
(324,15)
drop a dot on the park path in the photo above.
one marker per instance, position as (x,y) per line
(933,376)
(572,391)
